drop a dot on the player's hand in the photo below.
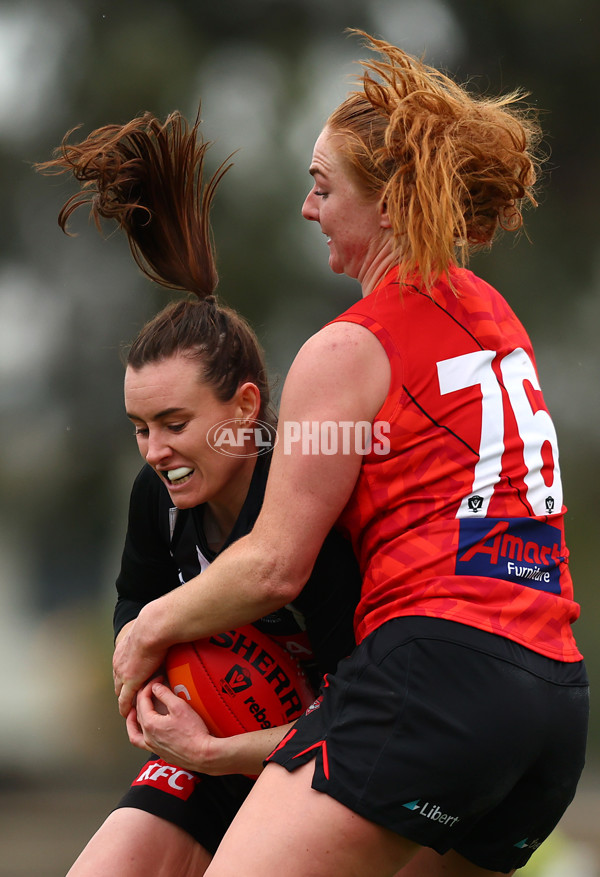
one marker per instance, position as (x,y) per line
(165,724)
(135,660)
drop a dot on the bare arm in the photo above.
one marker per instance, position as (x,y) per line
(124,631)
(341,374)
(166,725)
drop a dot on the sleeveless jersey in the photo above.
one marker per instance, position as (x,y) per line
(458,513)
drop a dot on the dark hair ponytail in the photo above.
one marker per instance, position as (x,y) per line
(148,177)
(226,348)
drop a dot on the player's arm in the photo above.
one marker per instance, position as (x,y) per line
(124,631)
(167,726)
(341,375)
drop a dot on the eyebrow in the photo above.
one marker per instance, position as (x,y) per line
(167,412)
(314,169)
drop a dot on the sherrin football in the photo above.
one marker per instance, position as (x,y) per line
(241,680)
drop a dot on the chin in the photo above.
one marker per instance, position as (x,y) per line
(185,502)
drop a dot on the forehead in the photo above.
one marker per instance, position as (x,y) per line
(174,382)
(174,369)
(327,159)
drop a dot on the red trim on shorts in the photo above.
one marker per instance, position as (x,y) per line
(287,737)
(323,745)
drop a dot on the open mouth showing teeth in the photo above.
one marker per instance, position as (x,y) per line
(176,476)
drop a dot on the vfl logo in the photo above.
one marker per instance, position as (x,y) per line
(235,681)
(475,503)
(549,504)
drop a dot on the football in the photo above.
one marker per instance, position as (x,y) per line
(241,680)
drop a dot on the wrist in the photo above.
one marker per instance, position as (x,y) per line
(215,756)
(151,632)
(241,753)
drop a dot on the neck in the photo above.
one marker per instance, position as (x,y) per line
(221,513)
(378,267)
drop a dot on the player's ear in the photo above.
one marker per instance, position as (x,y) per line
(384,217)
(248,401)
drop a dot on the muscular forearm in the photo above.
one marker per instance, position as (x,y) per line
(242,584)
(248,580)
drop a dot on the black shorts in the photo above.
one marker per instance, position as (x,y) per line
(204,806)
(450,736)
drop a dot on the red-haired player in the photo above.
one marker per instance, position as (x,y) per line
(452,740)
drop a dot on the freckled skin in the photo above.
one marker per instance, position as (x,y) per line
(358,230)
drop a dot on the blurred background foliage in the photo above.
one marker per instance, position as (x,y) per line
(267,73)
